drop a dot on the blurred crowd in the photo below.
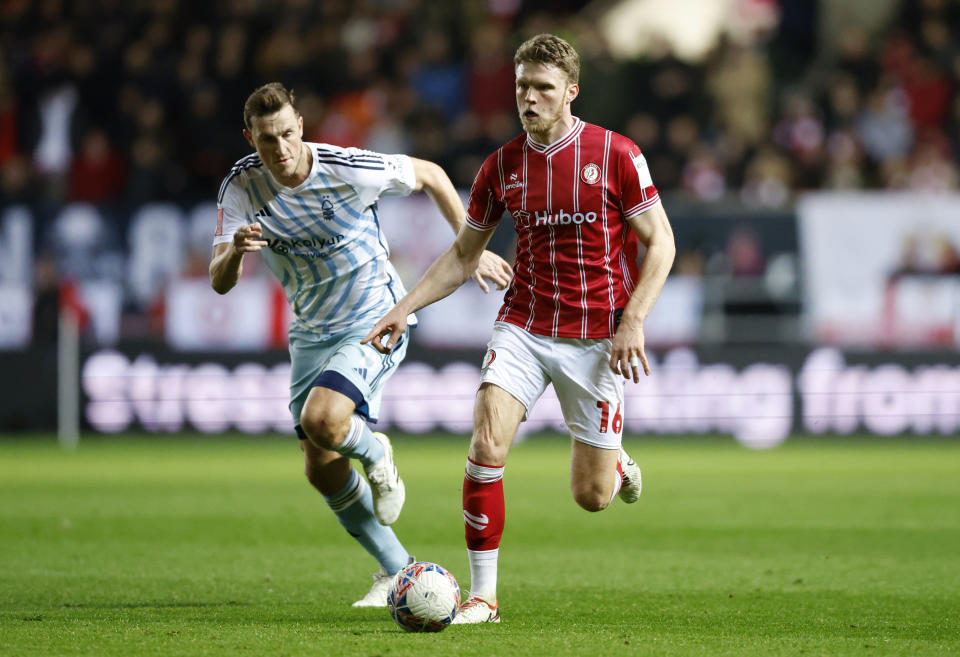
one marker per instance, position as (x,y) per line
(120,101)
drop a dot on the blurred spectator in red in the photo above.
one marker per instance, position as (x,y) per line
(8,120)
(97,172)
(929,92)
(489,80)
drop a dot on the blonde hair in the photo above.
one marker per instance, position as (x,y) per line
(550,49)
(268,99)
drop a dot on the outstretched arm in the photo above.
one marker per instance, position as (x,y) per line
(653,229)
(446,274)
(432,180)
(226,261)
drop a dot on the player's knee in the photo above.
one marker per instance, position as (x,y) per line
(484,448)
(323,428)
(592,499)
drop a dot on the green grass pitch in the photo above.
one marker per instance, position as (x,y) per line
(217,546)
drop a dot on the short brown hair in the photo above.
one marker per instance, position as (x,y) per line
(550,49)
(268,99)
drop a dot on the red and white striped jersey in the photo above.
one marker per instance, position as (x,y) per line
(576,255)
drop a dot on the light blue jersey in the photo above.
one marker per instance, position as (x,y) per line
(325,242)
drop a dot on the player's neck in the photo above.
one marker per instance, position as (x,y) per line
(555,132)
(296,178)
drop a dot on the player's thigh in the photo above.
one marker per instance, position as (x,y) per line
(512,379)
(343,365)
(496,416)
(514,362)
(590,394)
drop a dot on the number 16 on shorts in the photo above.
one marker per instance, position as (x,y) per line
(615,423)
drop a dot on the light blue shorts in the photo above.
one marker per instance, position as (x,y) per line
(341,363)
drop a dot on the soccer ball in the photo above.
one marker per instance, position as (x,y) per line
(425,597)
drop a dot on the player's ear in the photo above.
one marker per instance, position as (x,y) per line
(300,123)
(246,133)
(573,91)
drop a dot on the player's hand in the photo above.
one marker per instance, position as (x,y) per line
(626,353)
(495,268)
(249,238)
(393,324)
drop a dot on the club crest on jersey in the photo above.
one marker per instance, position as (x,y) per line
(326,208)
(590,173)
(488,358)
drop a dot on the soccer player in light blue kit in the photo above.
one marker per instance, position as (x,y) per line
(311,211)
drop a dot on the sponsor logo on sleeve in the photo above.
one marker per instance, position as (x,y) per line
(643,173)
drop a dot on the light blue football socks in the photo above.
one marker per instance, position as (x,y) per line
(360,443)
(353,506)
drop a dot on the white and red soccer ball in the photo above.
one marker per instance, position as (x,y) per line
(425,597)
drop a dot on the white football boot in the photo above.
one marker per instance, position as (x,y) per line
(632,482)
(377,595)
(385,484)
(476,610)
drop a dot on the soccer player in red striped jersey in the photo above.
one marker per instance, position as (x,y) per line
(582,201)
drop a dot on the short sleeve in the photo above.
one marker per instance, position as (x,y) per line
(484,208)
(231,212)
(371,174)
(637,191)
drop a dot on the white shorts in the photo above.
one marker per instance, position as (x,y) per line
(590,394)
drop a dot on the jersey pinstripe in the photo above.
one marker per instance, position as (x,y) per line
(325,244)
(576,263)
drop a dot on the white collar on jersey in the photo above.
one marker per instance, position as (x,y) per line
(559,144)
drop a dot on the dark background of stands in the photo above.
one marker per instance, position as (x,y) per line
(122,103)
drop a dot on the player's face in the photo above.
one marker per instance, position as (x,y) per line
(278,139)
(543,100)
